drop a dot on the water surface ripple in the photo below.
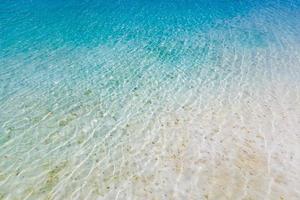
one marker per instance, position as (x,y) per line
(178,99)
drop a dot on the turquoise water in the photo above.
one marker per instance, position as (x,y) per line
(178,99)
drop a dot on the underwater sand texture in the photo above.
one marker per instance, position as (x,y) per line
(140,100)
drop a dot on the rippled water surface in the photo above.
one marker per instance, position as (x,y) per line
(136,99)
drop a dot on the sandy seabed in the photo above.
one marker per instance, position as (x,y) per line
(201,114)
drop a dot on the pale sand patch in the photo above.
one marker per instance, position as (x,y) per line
(244,150)
(245,147)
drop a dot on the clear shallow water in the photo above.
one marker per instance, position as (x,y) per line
(149,100)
